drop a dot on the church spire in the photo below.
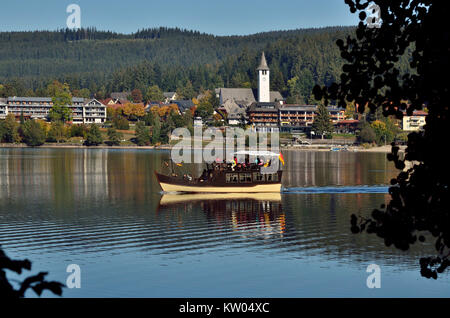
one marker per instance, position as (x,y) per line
(263,65)
(263,81)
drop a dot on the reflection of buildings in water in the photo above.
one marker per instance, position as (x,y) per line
(91,174)
(321,168)
(51,174)
(19,171)
(250,215)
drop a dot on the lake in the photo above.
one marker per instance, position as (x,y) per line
(103,210)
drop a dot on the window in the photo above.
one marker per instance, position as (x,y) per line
(245,178)
(272,177)
(231,177)
(258,176)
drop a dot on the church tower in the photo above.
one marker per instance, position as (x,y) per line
(263,81)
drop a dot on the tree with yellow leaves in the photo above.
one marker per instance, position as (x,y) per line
(133,111)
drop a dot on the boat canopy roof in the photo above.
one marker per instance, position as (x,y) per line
(256,153)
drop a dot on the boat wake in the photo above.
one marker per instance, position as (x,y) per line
(337,189)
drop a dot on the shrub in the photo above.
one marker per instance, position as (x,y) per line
(367,134)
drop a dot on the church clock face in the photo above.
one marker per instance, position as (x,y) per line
(264,79)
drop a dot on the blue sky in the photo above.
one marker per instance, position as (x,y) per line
(224,17)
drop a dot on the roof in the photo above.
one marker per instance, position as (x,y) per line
(120,95)
(244,95)
(295,107)
(264,107)
(183,104)
(231,107)
(263,65)
(40,99)
(275,96)
(416,113)
(169,94)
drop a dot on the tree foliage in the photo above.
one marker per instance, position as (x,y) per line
(37,282)
(142,134)
(33,133)
(94,136)
(176,60)
(9,129)
(61,98)
(114,137)
(322,124)
(372,78)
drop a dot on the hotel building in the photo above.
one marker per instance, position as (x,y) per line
(84,111)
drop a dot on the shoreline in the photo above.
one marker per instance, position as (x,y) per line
(379,149)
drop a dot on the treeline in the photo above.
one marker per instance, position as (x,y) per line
(173,59)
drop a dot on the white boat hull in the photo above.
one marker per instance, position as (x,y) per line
(259,188)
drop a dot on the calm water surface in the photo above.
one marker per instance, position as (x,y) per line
(103,210)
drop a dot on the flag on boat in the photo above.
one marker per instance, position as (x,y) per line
(280,156)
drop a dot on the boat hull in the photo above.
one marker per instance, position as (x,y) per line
(258,188)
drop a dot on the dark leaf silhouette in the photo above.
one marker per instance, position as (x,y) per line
(36,282)
(419,205)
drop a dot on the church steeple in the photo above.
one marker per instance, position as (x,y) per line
(263,65)
(263,81)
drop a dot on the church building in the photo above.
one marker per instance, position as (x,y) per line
(236,101)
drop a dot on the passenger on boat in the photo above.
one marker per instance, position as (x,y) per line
(204,176)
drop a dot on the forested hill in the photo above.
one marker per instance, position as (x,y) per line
(168,57)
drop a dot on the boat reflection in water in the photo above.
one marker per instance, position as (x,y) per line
(249,214)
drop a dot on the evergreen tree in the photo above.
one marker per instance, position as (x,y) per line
(156,132)
(148,118)
(114,137)
(154,94)
(142,134)
(322,124)
(94,136)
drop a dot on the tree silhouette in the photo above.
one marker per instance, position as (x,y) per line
(37,282)
(419,204)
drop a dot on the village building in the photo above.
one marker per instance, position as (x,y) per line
(169,97)
(183,104)
(414,122)
(237,101)
(84,110)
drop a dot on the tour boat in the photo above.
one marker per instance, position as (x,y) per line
(234,177)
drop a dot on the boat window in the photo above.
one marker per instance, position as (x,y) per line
(231,177)
(272,177)
(258,176)
(245,177)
